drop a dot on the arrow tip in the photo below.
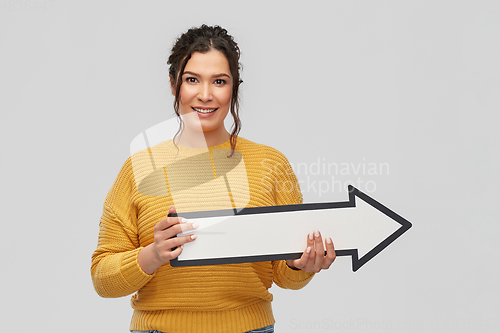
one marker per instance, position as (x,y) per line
(404,225)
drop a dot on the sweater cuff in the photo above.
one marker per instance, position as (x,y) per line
(132,272)
(291,278)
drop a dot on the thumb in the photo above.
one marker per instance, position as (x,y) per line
(171,210)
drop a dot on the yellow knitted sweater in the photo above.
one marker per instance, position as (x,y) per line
(219,298)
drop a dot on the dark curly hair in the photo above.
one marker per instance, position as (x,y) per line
(204,39)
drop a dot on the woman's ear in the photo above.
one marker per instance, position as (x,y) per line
(172,84)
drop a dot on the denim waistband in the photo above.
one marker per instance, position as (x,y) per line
(267,329)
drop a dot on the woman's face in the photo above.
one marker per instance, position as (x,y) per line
(205,92)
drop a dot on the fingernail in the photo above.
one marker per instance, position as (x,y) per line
(195,225)
(193,237)
(183,220)
(311,236)
(316,233)
(171,206)
(328,240)
(308,249)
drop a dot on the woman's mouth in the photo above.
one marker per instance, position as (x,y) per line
(204,110)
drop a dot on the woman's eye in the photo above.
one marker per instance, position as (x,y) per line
(220,81)
(191,79)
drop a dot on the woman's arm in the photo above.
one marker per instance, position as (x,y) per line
(120,266)
(295,274)
(115,270)
(160,252)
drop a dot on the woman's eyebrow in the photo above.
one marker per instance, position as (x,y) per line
(222,74)
(190,73)
(198,75)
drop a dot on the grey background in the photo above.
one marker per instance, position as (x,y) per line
(409,84)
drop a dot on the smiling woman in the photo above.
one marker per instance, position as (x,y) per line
(215,64)
(203,167)
(206,89)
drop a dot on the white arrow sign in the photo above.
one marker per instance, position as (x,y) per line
(360,228)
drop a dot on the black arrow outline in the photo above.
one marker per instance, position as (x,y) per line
(357,262)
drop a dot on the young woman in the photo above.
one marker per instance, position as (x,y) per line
(136,238)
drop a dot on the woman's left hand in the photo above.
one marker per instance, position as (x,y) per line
(314,259)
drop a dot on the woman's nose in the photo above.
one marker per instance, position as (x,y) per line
(205,93)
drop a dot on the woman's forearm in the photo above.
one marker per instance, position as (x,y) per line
(148,259)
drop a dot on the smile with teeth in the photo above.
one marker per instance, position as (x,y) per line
(204,110)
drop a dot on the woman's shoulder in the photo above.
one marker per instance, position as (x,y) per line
(247,147)
(163,148)
(143,160)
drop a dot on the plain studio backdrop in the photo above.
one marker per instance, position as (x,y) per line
(398,98)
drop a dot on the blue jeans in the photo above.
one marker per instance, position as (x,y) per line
(267,329)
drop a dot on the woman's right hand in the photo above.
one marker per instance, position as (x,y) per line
(161,251)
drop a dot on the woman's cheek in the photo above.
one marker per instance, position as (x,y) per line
(186,96)
(226,97)
(186,93)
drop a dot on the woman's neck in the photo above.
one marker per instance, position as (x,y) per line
(199,139)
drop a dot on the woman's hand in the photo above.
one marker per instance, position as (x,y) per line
(314,259)
(161,251)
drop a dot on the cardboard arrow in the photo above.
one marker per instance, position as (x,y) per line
(360,228)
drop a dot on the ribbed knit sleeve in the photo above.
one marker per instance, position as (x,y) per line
(288,278)
(115,270)
(287,192)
